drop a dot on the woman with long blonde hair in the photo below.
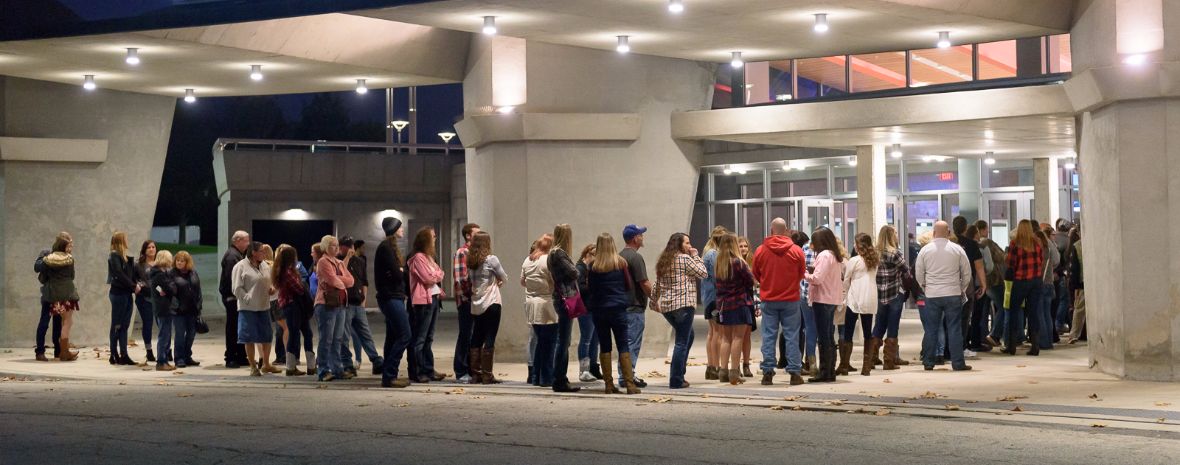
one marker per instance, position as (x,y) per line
(610,295)
(709,300)
(565,285)
(121,277)
(891,296)
(735,297)
(162,288)
(1026,260)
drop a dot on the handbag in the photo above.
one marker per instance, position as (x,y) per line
(574,307)
(202,326)
(334,297)
(911,285)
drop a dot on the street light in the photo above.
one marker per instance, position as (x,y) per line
(398,125)
(446,137)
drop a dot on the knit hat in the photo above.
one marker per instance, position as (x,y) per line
(390,225)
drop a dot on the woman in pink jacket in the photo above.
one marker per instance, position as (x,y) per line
(825,293)
(330,299)
(425,298)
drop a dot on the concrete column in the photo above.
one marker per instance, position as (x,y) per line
(870,188)
(969,194)
(1046,190)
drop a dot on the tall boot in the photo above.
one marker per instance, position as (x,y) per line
(474,365)
(871,353)
(487,363)
(825,370)
(67,355)
(809,367)
(310,363)
(607,375)
(628,373)
(292,362)
(897,360)
(845,357)
(890,355)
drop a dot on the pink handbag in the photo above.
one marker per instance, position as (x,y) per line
(574,307)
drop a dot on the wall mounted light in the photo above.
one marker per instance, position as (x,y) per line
(361,88)
(624,45)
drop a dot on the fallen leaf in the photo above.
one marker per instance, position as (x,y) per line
(1010,398)
(402,405)
(122,383)
(477,397)
(704,396)
(1021,366)
(887,381)
(1034,382)
(931,395)
(1161,420)
(132,344)
(875,396)
(776,407)
(881,413)
(792,398)
(952,407)
(456,391)
(1097,425)
(655,374)
(163,383)
(1093,396)
(973,402)
(1017,409)
(660,399)
(178,372)
(834,402)
(1162,404)
(797,408)
(183,394)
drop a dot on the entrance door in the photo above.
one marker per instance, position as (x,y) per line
(1004,211)
(817,213)
(788,211)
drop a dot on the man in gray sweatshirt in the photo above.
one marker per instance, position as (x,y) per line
(943,271)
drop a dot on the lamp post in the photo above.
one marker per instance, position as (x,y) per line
(398,125)
(446,137)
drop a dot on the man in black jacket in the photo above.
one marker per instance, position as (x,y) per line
(389,275)
(357,320)
(46,316)
(235,354)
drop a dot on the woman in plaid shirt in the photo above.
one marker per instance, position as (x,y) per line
(891,296)
(735,297)
(678,271)
(1026,259)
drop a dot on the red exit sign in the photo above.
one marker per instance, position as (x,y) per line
(947,176)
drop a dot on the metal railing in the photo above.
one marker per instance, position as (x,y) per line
(315,146)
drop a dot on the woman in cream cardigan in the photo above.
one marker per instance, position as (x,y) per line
(860,296)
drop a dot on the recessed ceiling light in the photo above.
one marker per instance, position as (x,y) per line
(852,160)
(676,6)
(132,56)
(190,95)
(990,160)
(989,134)
(995,171)
(624,45)
(821,23)
(88,82)
(361,88)
(256,72)
(944,39)
(489,25)
(737,61)
(727,170)
(896,152)
(1070,166)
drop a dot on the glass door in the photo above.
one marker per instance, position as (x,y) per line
(788,211)
(816,213)
(1004,211)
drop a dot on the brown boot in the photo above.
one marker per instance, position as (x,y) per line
(487,359)
(890,354)
(67,355)
(710,372)
(604,360)
(897,360)
(809,365)
(871,352)
(628,373)
(845,356)
(475,371)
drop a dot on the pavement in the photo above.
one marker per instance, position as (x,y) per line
(1057,387)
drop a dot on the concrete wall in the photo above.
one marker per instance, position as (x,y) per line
(520,190)
(90,200)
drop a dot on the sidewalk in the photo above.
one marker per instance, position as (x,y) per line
(1055,387)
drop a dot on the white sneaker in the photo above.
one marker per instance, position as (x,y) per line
(465,379)
(586,377)
(968,353)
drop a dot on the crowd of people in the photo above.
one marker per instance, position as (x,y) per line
(809,291)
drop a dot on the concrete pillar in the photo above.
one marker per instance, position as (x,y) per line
(870,188)
(529,171)
(1046,190)
(969,184)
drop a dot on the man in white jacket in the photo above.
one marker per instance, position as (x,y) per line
(943,271)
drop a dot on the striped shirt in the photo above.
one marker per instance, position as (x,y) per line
(678,289)
(889,275)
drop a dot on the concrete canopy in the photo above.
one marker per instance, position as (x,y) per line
(306,54)
(761,29)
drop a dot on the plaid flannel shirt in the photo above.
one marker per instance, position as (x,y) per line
(737,292)
(889,274)
(1026,264)
(809,258)
(678,289)
(461,275)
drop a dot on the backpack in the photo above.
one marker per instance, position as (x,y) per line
(1000,260)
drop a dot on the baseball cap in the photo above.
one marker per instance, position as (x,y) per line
(347,241)
(631,231)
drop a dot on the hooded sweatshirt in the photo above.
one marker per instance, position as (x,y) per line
(779,266)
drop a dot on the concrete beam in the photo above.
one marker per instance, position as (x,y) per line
(480,130)
(53,150)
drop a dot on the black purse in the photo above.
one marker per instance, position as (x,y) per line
(202,326)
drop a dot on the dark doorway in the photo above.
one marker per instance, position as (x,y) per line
(300,234)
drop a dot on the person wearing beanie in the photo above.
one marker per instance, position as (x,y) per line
(389,276)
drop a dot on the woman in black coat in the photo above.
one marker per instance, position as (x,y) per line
(186,292)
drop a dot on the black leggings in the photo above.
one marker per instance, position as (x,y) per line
(484,328)
(849,327)
(608,321)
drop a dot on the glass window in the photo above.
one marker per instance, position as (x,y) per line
(950,206)
(786,211)
(735,186)
(844,180)
(941,65)
(780,81)
(997,60)
(1008,173)
(932,176)
(758,83)
(1060,59)
(878,71)
(820,77)
(799,183)
(753,223)
(723,215)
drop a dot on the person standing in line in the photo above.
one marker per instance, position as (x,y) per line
(565,284)
(1048,287)
(539,310)
(121,277)
(678,272)
(278,321)
(252,289)
(235,353)
(778,267)
(317,252)
(462,288)
(487,277)
(891,297)
(994,280)
(425,295)
(161,286)
(356,320)
(824,286)
(807,334)
(61,293)
(143,297)
(735,296)
(610,295)
(46,317)
(944,272)
(860,290)
(640,292)
(1026,260)
(978,285)
(1076,285)
(389,275)
(186,289)
(1064,296)
(332,282)
(709,300)
(747,254)
(292,299)
(587,332)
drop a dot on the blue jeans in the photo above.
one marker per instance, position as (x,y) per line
(1000,320)
(164,340)
(543,357)
(186,333)
(561,353)
(784,316)
(825,328)
(635,326)
(587,339)
(940,312)
(397,336)
(295,320)
(1064,297)
(809,332)
(610,322)
(422,321)
(1044,312)
(681,321)
(889,317)
(463,342)
(147,316)
(121,310)
(356,323)
(43,326)
(1024,296)
(331,323)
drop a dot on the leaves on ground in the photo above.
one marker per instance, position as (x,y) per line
(1017,409)
(402,405)
(655,374)
(952,407)
(177,372)
(887,381)
(659,399)
(797,407)
(477,397)
(931,395)
(456,391)
(794,398)
(1163,404)
(1161,420)
(776,407)
(882,412)
(163,383)
(1097,425)
(1010,398)
(1093,396)
(836,402)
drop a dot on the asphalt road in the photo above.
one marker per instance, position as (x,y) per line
(96,422)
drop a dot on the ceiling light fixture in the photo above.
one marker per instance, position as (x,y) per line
(505,110)
(896,152)
(190,95)
(944,39)
(256,72)
(990,160)
(88,82)
(361,88)
(995,171)
(727,170)
(132,56)
(821,23)
(1135,60)
(737,61)
(624,45)
(852,160)
(489,25)
(676,6)
(1071,165)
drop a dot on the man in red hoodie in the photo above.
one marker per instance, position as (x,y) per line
(779,266)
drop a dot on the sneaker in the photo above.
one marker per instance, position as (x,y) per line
(968,353)
(465,379)
(640,383)
(587,377)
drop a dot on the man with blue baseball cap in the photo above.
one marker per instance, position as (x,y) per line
(641,291)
